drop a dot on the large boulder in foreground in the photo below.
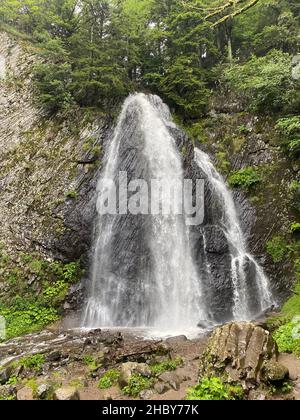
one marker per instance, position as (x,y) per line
(239,350)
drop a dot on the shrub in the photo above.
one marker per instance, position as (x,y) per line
(277,248)
(214,389)
(245,178)
(109,379)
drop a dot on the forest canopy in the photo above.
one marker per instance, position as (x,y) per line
(92,53)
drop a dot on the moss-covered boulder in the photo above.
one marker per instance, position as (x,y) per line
(238,350)
(274,372)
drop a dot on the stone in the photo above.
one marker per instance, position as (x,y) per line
(130,368)
(296,396)
(161,387)
(171,378)
(8,392)
(25,394)
(54,356)
(67,393)
(292,363)
(146,394)
(255,395)
(5,375)
(176,340)
(273,371)
(238,349)
(43,391)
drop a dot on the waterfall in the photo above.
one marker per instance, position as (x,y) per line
(153,270)
(240,258)
(166,293)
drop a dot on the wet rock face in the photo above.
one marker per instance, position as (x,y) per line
(239,350)
(42,161)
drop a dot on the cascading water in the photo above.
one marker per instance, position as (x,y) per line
(167,290)
(240,258)
(153,270)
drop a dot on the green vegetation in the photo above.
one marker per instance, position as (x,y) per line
(137,384)
(289,129)
(245,178)
(34,362)
(25,308)
(168,365)
(295,227)
(277,248)
(265,83)
(287,337)
(92,56)
(109,379)
(214,389)
(72,194)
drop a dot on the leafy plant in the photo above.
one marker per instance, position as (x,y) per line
(295,227)
(214,389)
(34,362)
(289,128)
(277,248)
(137,384)
(287,337)
(72,194)
(244,178)
(168,365)
(109,379)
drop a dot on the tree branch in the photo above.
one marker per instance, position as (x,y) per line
(236,13)
(213,12)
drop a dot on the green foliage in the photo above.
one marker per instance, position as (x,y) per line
(51,81)
(95,54)
(223,163)
(168,365)
(24,310)
(214,389)
(291,308)
(265,83)
(13,380)
(34,362)
(287,337)
(137,384)
(94,363)
(72,194)
(277,248)
(289,128)
(287,387)
(245,178)
(243,129)
(184,86)
(295,227)
(31,318)
(109,379)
